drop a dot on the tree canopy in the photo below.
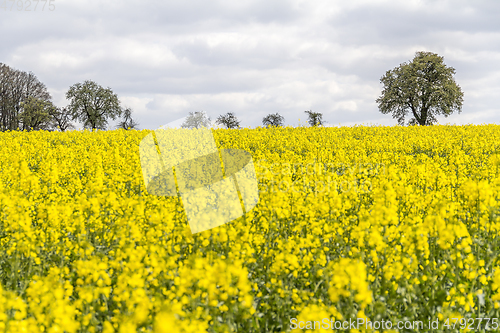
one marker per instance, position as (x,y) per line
(420,89)
(92,104)
(314,118)
(228,120)
(36,114)
(197,119)
(273,120)
(16,88)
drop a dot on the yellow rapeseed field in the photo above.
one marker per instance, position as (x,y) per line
(362,223)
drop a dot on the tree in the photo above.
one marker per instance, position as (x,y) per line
(274,120)
(61,119)
(314,118)
(36,114)
(127,121)
(228,120)
(7,108)
(197,119)
(16,87)
(424,86)
(92,104)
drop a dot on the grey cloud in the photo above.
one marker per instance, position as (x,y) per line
(191,15)
(262,55)
(398,22)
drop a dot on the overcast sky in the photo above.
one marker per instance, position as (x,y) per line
(167,58)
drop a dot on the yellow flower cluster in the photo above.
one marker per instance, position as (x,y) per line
(382,223)
(348,276)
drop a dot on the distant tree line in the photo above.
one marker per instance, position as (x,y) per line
(25,104)
(230,121)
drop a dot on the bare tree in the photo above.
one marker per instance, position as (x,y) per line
(61,119)
(127,121)
(197,119)
(6,74)
(273,120)
(228,120)
(314,118)
(16,87)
